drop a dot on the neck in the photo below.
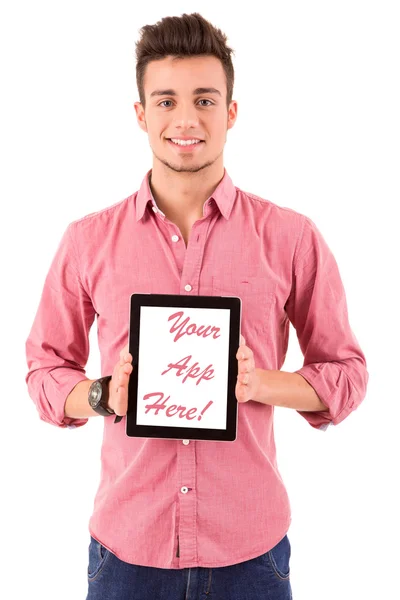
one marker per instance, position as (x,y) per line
(181,195)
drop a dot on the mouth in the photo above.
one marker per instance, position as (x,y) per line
(185,148)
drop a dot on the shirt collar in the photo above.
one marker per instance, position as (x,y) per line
(223,195)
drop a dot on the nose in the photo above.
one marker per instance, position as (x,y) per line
(186,117)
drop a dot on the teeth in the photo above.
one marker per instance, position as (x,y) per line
(185,142)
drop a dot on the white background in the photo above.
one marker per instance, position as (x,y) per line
(318,131)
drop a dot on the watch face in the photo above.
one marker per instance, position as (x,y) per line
(95,394)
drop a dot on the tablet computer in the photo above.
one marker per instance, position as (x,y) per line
(185,369)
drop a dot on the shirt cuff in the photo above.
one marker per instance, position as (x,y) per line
(313,374)
(57,385)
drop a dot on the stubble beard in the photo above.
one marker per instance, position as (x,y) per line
(182,168)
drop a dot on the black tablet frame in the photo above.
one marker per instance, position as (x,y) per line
(233,304)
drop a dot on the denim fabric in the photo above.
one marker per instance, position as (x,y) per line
(266,577)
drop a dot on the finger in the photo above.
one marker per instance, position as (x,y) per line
(119,388)
(123,351)
(241,393)
(243,378)
(243,353)
(126,368)
(242,340)
(246,365)
(124,355)
(127,357)
(120,399)
(123,376)
(240,354)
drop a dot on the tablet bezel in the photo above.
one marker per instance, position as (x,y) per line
(231,303)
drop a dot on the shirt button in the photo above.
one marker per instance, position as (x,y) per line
(175,238)
(186,442)
(154,208)
(188,287)
(184,490)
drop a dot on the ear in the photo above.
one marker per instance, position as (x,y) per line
(140,115)
(232,113)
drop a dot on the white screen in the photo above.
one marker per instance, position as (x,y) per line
(194,335)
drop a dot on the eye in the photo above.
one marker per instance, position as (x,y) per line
(202,100)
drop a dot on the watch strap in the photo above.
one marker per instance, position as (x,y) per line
(102,408)
(118,418)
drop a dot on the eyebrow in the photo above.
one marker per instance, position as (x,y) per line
(199,90)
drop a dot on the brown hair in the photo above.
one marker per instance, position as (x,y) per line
(187,35)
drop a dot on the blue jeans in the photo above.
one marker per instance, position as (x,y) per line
(266,577)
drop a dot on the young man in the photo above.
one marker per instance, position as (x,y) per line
(172,517)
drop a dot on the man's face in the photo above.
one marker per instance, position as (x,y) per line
(178,112)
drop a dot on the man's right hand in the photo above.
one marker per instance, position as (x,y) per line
(118,385)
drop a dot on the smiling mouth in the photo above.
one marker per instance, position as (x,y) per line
(185,147)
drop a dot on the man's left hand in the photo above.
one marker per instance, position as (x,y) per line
(248,380)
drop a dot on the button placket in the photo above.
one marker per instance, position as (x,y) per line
(187,498)
(194,254)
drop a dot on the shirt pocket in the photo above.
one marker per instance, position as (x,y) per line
(256,293)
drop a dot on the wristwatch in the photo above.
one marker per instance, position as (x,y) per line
(98,398)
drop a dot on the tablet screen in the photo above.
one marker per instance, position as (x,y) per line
(184,366)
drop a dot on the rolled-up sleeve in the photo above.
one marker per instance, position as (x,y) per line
(334,364)
(57,347)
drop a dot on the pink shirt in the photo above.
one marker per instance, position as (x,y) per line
(177,503)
